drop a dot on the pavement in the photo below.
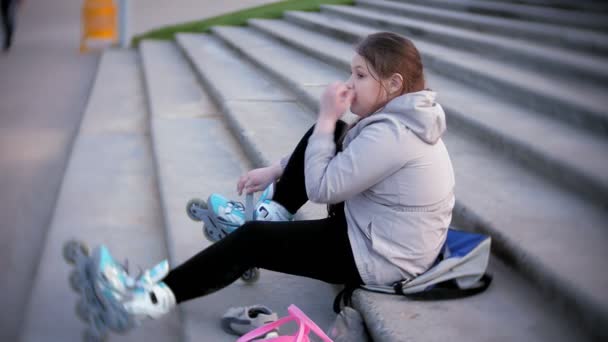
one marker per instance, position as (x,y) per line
(44,87)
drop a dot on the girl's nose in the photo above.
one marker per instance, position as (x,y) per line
(349,83)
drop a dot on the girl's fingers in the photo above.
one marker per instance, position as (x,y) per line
(341,90)
(241,184)
(248,183)
(350,95)
(346,94)
(254,187)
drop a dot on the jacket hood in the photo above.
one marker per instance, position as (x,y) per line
(420,113)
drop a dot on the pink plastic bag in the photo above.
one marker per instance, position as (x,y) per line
(305,326)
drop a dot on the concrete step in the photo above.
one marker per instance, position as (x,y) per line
(306,86)
(593,21)
(109,195)
(536,227)
(242,90)
(255,112)
(508,311)
(572,38)
(540,92)
(572,65)
(575,6)
(576,163)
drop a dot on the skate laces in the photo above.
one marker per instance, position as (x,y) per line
(123,284)
(234,206)
(266,196)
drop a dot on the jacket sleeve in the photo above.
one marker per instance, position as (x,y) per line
(371,156)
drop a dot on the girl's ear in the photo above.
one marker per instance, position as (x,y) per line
(395,84)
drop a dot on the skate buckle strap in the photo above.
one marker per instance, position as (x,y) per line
(145,280)
(305,326)
(156,273)
(249,207)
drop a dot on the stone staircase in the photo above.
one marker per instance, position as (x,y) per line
(523,84)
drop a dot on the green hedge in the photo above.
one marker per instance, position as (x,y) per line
(239,18)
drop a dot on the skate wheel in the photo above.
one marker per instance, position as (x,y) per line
(210,235)
(75,281)
(81,310)
(191,205)
(207,234)
(91,336)
(97,330)
(251,275)
(213,235)
(73,249)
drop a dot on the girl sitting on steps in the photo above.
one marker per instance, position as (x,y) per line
(388,179)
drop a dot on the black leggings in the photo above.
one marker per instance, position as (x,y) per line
(318,249)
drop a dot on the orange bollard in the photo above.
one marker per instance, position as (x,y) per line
(99,22)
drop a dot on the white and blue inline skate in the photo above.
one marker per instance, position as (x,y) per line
(110,299)
(222,216)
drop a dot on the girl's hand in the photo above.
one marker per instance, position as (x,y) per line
(336,99)
(256,180)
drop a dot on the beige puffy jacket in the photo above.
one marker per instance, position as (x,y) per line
(396,179)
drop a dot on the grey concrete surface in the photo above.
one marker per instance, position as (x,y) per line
(227,70)
(584,5)
(588,20)
(547,33)
(532,227)
(197,155)
(110,196)
(44,86)
(259,50)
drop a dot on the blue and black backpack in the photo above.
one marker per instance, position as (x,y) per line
(459,271)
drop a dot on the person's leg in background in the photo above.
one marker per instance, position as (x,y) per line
(290,190)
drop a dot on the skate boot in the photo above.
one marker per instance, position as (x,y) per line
(269,210)
(112,300)
(221,216)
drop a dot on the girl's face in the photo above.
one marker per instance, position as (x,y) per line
(369,93)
